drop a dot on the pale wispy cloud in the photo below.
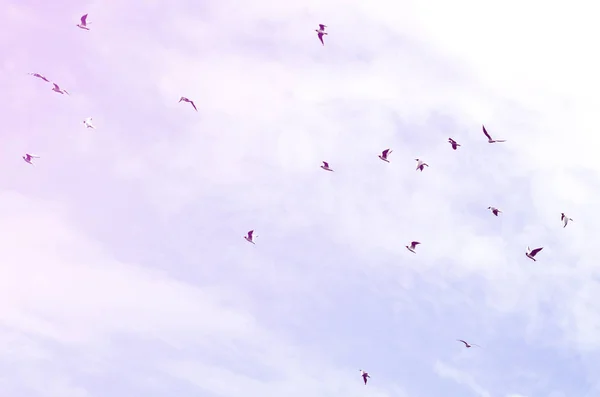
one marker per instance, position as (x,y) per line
(124,271)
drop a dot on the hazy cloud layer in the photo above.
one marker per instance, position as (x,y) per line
(123,269)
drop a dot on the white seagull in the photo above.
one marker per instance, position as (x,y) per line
(88,123)
(250,237)
(494,210)
(56,88)
(40,77)
(490,140)
(412,246)
(421,165)
(184,99)
(28,158)
(364,375)
(468,345)
(325,166)
(454,144)
(565,219)
(384,155)
(532,253)
(83,23)
(321,32)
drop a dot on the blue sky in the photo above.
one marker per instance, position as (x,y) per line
(124,271)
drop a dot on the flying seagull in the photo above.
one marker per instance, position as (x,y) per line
(39,76)
(421,165)
(490,140)
(364,375)
(325,166)
(88,123)
(467,344)
(494,210)
(83,23)
(184,99)
(250,237)
(565,219)
(321,32)
(454,144)
(384,155)
(28,158)
(532,253)
(59,90)
(412,246)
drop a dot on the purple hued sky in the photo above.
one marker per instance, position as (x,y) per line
(123,268)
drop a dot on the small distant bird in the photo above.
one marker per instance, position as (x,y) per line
(325,166)
(532,253)
(28,158)
(59,90)
(39,76)
(250,237)
(83,23)
(490,140)
(184,99)
(494,210)
(565,219)
(384,155)
(321,32)
(467,344)
(88,123)
(454,144)
(412,246)
(421,165)
(364,375)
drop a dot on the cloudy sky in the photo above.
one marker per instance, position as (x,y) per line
(123,271)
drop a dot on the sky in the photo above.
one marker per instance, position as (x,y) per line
(123,268)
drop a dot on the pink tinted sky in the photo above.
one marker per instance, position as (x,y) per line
(123,270)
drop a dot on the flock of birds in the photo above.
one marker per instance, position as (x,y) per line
(384,156)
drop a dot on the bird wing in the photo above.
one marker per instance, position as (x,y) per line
(385,153)
(535,251)
(325,164)
(451,140)
(322,27)
(250,233)
(486,133)
(83,19)
(562,216)
(192,102)
(56,86)
(414,244)
(460,340)
(321,38)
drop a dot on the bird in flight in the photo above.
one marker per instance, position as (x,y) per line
(494,210)
(490,140)
(250,237)
(532,253)
(83,23)
(28,158)
(88,123)
(364,375)
(56,88)
(421,165)
(565,219)
(325,166)
(321,32)
(467,344)
(454,144)
(184,99)
(384,155)
(412,246)
(40,77)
